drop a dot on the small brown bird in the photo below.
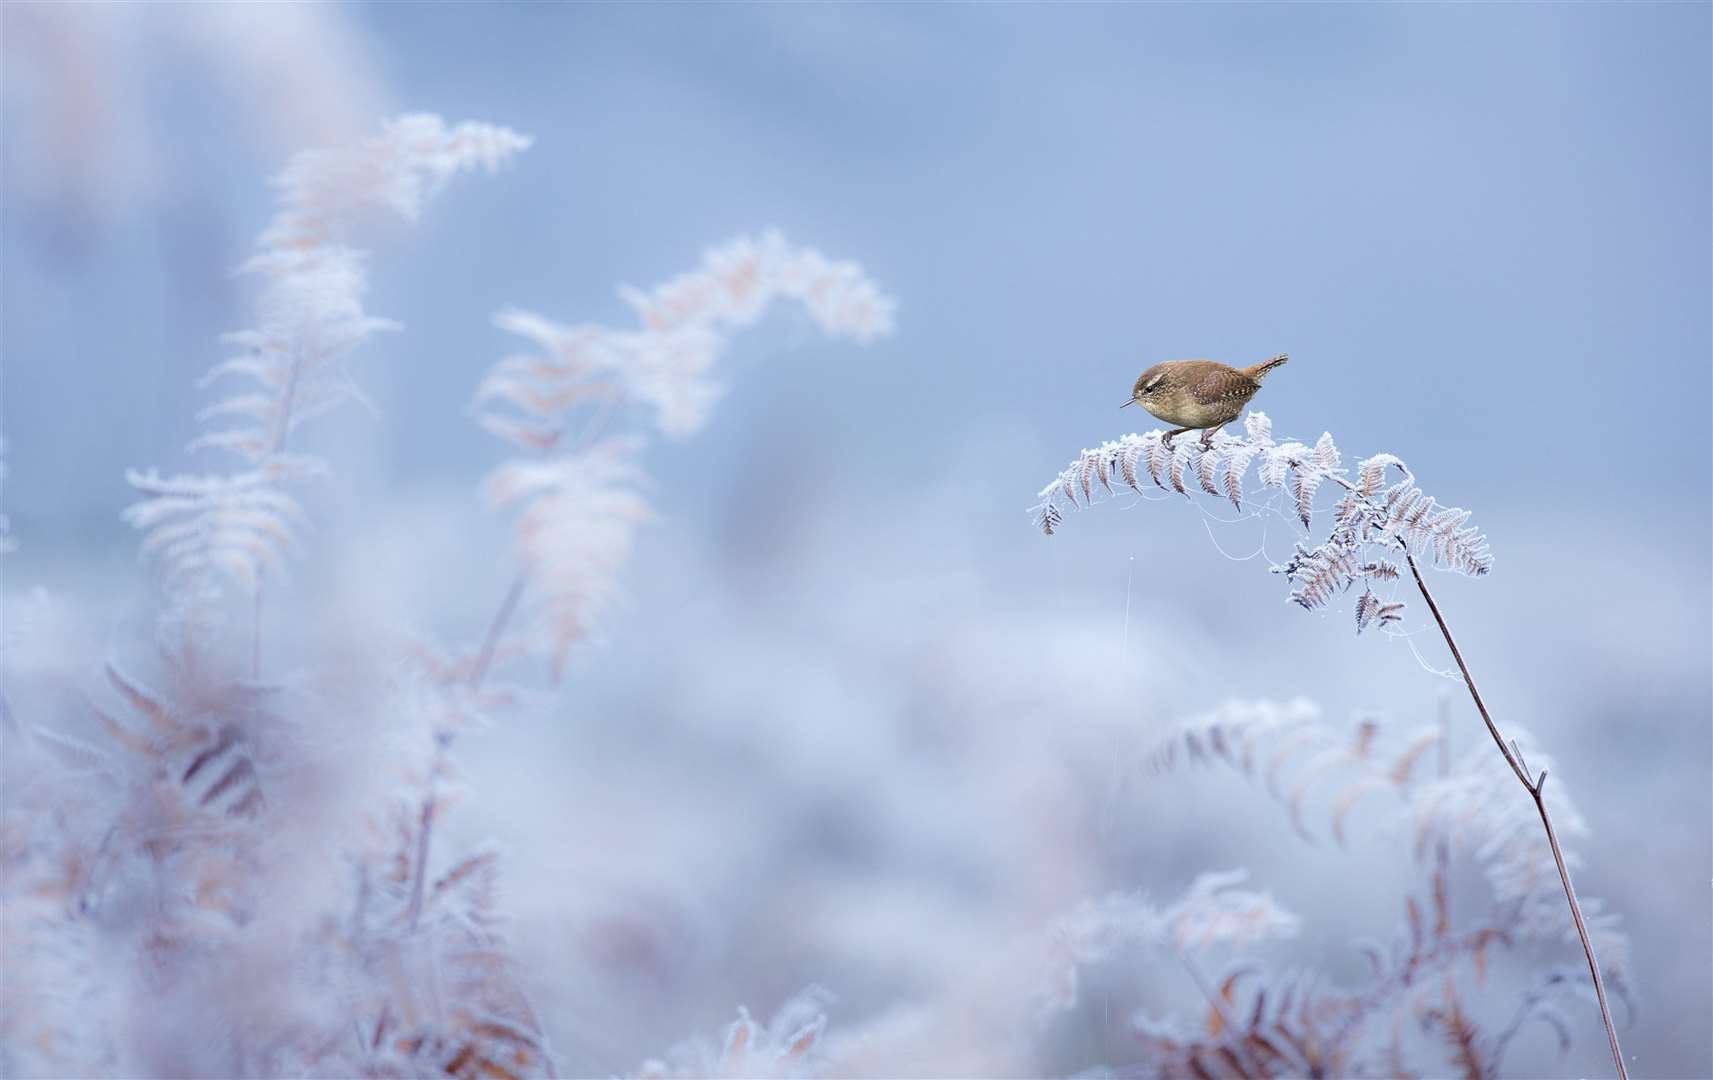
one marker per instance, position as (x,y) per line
(1199,393)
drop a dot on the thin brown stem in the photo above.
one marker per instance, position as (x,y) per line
(1536,789)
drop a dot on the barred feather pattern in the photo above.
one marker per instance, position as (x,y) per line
(1372,520)
(293,366)
(667,363)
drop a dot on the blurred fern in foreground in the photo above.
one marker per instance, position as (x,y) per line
(1410,1015)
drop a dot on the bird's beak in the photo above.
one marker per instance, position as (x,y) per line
(1132,401)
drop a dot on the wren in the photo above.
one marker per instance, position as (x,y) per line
(1199,393)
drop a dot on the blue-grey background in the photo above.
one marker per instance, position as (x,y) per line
(1482,232)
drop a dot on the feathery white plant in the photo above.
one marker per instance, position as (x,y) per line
(667,364)
(1468,809)
(1212,911)
(210,530)
(1375,521)
(206,846)
(574,532)
(1301,1023)
(785,1047)
(1372,523)
(1298,755)
(202,529)
(579,504)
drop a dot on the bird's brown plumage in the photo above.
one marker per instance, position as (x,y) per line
(1199,393)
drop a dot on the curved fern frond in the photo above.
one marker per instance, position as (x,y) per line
(1370,524)
(667,364)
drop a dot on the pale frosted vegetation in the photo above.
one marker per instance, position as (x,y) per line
(1469,811)
(244,853)
(228,853)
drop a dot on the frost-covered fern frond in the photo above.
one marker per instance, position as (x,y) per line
(574,532)
(667,363)
(581,505)
(442,996)
(292,367)
(1473,809)
(409,162)
(1372,523)
(1278,1027)
(785,1047)
(1300,757)
(202,528)
(1303,760)
(1213,911)
(1463,812)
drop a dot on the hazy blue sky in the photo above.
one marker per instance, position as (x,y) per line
(1481,229)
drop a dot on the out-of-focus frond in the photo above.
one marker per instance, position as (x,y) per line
(1299,756)
(1467,811)
(1212,911)
(581,507)
(1474,809)
(1279,1028)
(410,161)
(785,1047)
(201,529)
(443,996)
(686,323)
(291,368)
(579,515)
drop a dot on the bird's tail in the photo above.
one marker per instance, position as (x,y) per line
(1259,371)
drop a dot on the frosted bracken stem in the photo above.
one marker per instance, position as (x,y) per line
(1536,790)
